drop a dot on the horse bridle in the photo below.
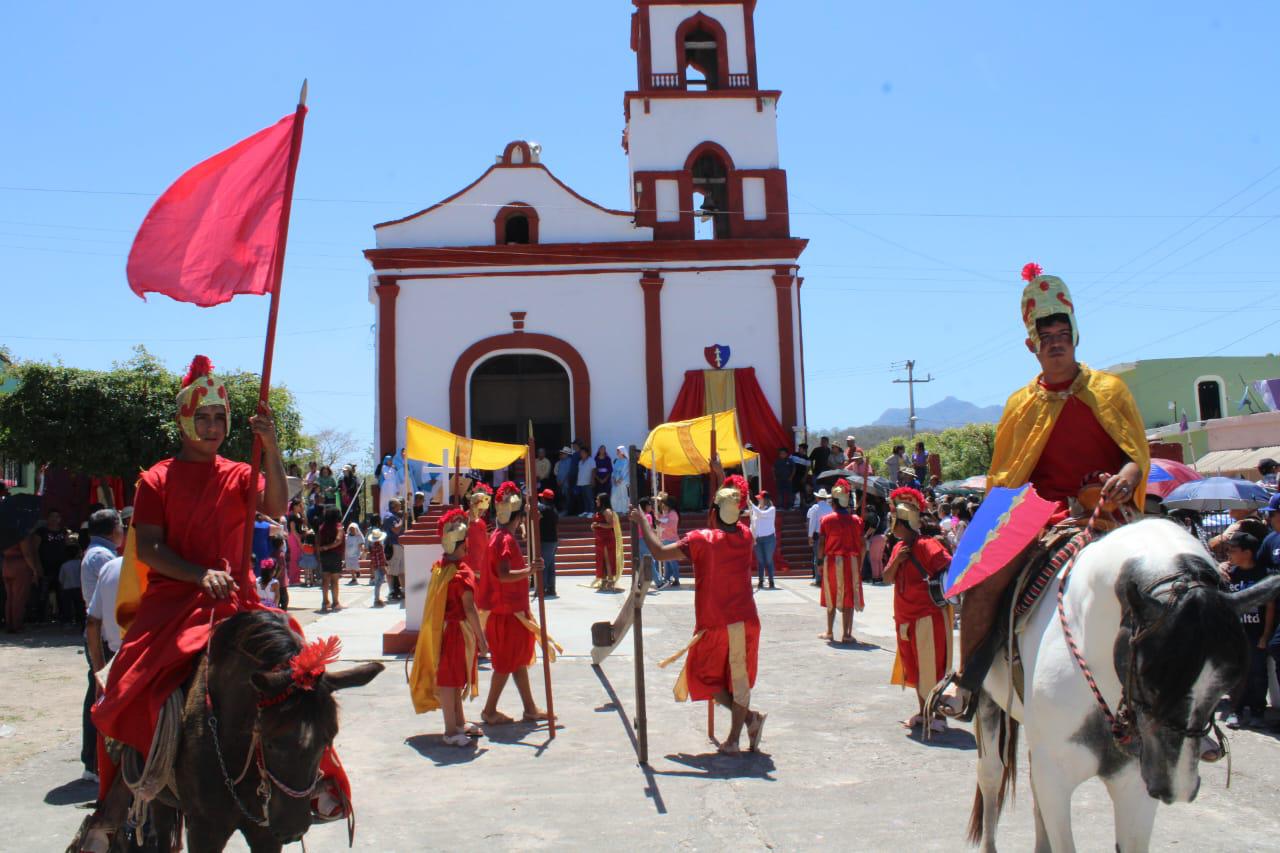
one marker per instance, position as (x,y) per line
(1122,722)
(255,757)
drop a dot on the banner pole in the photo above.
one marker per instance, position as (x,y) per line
(277,273)
(637,603)
(535,552)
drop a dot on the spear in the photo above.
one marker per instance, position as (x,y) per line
(531,501)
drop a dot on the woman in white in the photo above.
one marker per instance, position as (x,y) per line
(764,526)
(620,495)
(355,547)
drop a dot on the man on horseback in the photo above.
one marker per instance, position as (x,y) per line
(1064,428)
(190,573)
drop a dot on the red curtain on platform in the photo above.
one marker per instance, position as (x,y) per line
(756,420)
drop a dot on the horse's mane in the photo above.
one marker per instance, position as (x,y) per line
(264,640)
(1201,626)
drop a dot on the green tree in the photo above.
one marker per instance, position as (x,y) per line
(965,451)
(117,422)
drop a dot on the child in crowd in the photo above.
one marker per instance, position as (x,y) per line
(1243,572)
(309,563)
(70,602)
(377,562)
(268,585)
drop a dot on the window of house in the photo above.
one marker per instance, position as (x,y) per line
(516,229)
(1209,399)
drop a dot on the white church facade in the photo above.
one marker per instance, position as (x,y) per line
(499,276)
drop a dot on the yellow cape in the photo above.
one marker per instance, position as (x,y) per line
(426,654)
(1031,413)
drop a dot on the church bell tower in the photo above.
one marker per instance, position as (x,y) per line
(701,135)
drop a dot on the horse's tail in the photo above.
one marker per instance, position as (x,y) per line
(1008,745)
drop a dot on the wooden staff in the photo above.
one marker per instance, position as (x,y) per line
(535,552)
(637,602)
(715,487)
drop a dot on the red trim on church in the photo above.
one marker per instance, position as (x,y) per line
(651,284)
(786,347)
(556,254)
(387,289)
(521,341)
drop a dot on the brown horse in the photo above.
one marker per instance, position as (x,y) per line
(251,742)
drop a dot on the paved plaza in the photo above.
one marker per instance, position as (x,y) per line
(837,770)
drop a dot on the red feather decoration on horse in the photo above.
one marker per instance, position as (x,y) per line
(308,665)
(200,366)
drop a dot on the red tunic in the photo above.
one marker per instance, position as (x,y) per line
(454,669)
(201,507)
(511,643)
(478,559)
(722,596)
(605,544)
(923,628)
(1077,447)
(841,533)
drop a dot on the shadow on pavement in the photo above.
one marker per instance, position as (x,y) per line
(950,739)
(43,636)
(856,646)
(72,793)
(434,747)
(713,765)
(614,704)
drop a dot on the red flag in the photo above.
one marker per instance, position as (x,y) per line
(214,233)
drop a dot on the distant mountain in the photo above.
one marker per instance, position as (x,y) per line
(948,412)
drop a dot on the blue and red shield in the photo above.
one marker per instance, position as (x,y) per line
(1007,522)
(717,355)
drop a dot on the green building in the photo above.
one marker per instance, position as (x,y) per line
(1203,389)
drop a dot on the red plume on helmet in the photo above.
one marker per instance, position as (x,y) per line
(506,489)
(448,518)
(842,483)
(1031,270)
(481,489)
(200,366)
(908,494)
(737,481)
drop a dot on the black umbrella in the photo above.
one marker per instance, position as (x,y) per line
(878,486)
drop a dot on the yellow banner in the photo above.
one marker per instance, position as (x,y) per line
(683,448)
(427,443)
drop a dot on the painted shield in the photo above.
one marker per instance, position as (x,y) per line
(1007,522)
(717,355)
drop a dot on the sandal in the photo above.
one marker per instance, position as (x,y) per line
(459,739)
(915,722)
(472,730)
(727,748)
(498,719)
(755,730)
(539,717)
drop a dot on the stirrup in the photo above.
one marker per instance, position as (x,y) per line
(936,706)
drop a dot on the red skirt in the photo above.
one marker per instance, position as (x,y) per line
(606,553)
(842,582)
(708,669)
(510,643)
(454,670)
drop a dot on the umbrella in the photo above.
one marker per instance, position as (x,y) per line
(960,487)
(878,486)
(1166,475)
(1214,494)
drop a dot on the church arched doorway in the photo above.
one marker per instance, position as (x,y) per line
(508,390)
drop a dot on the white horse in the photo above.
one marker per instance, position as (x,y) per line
(1162,638)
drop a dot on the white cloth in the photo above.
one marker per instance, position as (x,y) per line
(103,604)
(354,542)
(763,520)
(817,512)
(267,591)
(388,488)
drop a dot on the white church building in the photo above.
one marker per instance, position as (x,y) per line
(704,262)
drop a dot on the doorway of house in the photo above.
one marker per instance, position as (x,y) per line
(509,390)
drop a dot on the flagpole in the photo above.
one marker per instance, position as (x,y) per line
(535,554)
(277,275)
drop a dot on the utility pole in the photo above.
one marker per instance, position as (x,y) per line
(911,382)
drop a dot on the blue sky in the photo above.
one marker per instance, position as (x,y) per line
(931,149)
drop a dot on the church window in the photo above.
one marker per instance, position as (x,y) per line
(515,225)
(517,229)
(700,52)
(711,197)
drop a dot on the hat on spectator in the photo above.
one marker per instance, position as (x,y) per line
(547,495)
(1273,505)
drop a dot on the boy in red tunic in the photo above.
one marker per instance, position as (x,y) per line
(923,629)
(478,548)
(445,660)
(841,533)
(189,528)
(722,658)
(510,629)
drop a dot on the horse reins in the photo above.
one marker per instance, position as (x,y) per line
(1121,721)
(254,756)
